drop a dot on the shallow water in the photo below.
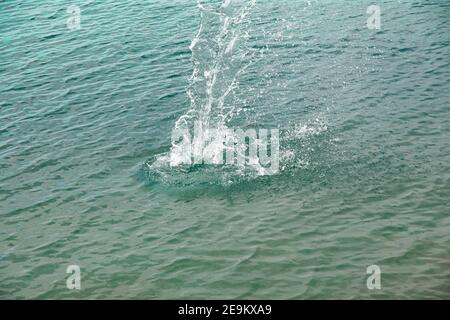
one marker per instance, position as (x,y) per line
(365,126)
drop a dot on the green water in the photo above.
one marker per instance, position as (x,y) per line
(364,178)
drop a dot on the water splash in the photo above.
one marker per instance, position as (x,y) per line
(220,56)
(218,61)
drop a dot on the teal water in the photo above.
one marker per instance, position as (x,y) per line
(86,119)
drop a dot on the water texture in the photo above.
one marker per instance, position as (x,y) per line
(86,118)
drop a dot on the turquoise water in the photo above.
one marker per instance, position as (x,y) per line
(86,120)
